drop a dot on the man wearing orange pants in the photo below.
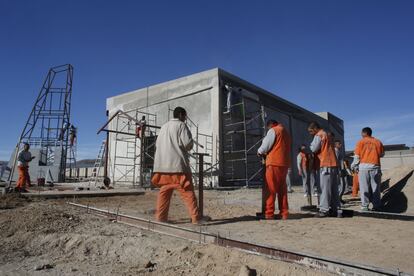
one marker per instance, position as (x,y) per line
(23,160)
(355,185)
(172,167)
(276,147)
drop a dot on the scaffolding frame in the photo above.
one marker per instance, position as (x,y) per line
(140,151)
(47,126)
(243,130)
(132,165)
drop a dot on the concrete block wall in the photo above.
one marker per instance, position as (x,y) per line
(36,170)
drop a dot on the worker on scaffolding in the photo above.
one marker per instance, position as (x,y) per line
(140,127)
(323,150)
(63,130)
(276,148)
(172,167)
(72,135)
(23,159)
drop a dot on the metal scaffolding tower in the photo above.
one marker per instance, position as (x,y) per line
(133,148)
(134,136)
(48,125)
(243,131)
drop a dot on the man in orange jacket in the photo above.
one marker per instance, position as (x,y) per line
(368,153)
(276,147)
(323,149)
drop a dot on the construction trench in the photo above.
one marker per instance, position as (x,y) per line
(86,223)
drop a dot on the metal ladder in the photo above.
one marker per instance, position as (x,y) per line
(98,164)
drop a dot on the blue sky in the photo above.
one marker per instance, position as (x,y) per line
(352,58)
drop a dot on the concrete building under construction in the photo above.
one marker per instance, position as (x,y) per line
(227,119)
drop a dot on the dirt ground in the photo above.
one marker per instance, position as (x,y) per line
(52,238)
(379,242)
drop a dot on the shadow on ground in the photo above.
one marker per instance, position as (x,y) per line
(394,200)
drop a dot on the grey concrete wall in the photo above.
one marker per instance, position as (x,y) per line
(196,93)
(295,118)
(36,170)
(202,95)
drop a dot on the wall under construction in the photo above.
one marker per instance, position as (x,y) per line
(227,116)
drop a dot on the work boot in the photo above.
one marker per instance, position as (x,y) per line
(337,214)
(321,214)
(281,217)
(203,220)
(364,208)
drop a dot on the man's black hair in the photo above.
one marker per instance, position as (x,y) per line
(314,125)
(338,141)
(179,111)
(271,122)
(301,146)
(367,130)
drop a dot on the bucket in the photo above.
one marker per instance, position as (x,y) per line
(41,181)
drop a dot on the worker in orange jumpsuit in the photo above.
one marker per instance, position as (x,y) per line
(276,147)
(367,155)
(23,160)
(323,148)
(355,184)
(172,169)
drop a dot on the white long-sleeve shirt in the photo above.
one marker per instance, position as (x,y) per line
(316,144)
(267,142)
(172,146)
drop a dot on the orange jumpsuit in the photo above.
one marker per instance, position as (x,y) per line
(277,164)
(24,177)
(168,182)
(355,185)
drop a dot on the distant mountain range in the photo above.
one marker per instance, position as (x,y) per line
(85,163)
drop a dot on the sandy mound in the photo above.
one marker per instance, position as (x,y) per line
(398,190)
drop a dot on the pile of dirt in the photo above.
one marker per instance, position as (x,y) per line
(398,190)
(13,200)
(393,176)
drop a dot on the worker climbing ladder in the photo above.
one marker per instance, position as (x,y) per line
(99,162)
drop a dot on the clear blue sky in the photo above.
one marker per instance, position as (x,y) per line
(352,58)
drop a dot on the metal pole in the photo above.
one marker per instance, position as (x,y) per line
(106,151)
(201,182)
(264,189)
